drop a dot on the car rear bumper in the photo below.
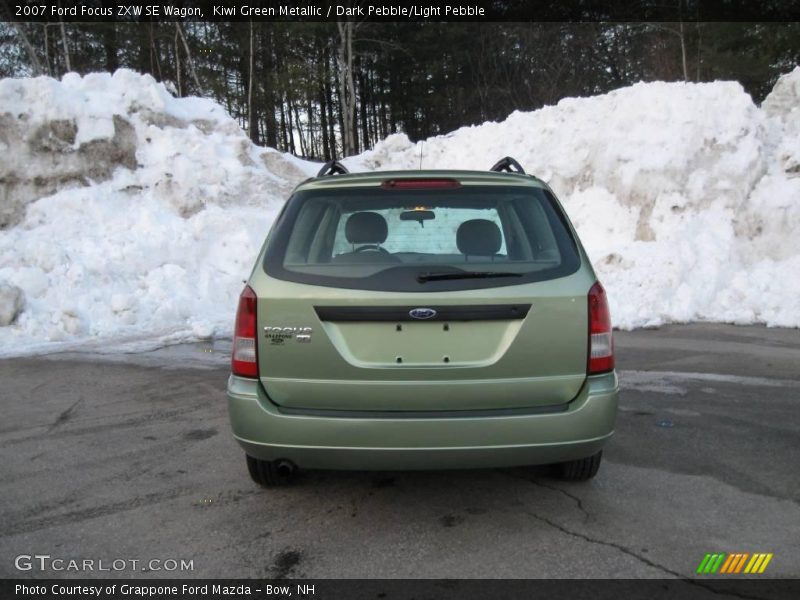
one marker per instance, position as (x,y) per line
(314,441)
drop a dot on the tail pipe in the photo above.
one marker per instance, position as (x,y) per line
(285,467)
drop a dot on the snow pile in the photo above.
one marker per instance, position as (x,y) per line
(162,205)
(686,196)
(128,214)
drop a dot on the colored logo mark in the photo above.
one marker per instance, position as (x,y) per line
(736,562)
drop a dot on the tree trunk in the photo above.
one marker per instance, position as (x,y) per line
(155,61)
(323,109)
(284,135)
(110,43)
(699,42)
(270,123)
(347,86)
(340,115)
(394,111)
(329,102)
(303,147)
(683,53)
(252,126)
(312,138)
(323,123)
(110,47)
(178,66)
(64,43)
(343,98)
(5,15)
(189,61)
(268,54)
(292,147)
(383,117)
(362,92)
(373,109)
(47,49)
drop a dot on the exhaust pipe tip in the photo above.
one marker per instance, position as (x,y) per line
(285,468)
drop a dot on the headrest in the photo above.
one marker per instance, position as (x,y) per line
(478,237)
(366,228)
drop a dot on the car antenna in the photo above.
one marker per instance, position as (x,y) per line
(421,145)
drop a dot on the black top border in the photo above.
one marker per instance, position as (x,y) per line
(97,11)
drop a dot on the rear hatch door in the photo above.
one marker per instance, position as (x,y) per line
(367,351)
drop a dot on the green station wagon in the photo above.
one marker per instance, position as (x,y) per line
(422,320)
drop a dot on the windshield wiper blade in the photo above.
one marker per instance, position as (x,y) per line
(424,277)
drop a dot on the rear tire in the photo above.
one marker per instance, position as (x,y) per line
(269,473)
(582,469)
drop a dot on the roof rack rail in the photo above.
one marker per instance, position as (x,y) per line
(332,167)
(509,165)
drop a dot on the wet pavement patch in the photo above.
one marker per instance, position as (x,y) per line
(285,563)
(200,434)
(451,520)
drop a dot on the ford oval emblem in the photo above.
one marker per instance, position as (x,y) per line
(422,313)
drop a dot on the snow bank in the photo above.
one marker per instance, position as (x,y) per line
(154,242)
(686,196)
(129,215)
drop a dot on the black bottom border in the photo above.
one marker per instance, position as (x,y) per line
(402,589)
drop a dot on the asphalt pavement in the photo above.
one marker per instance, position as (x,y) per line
(130,457)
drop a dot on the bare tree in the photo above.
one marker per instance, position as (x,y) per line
(189,61)
(347,85)
(33,59)
(681,34)
(699,45)
(683,52)
(155,62)
(64,43)
(251,123)
(178,62)
(46,48)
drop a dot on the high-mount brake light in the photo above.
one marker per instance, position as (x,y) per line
(601,341)
(420,184)
(244,359)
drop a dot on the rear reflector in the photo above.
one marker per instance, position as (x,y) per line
(601,340)
(420,184)
(244,360)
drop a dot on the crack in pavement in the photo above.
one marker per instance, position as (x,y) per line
(138,419)
(647,561)
(576,499)
(578,502)
(616,546)
(91,512)
(65,415)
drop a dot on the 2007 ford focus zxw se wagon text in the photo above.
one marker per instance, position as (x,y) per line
(422,320)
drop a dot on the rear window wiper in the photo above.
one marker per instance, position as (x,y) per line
(424,277)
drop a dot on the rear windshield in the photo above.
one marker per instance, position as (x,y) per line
(421,240)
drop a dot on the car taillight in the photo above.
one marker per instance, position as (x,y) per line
(244,360)
(601,342)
